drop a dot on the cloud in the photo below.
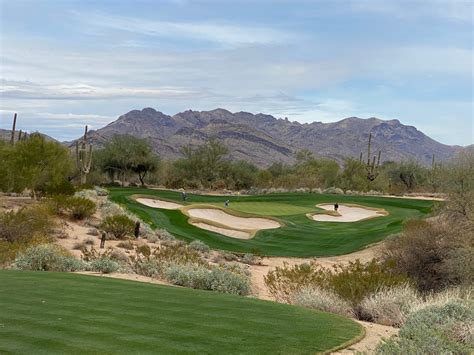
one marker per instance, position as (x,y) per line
(38,91)
(220,33)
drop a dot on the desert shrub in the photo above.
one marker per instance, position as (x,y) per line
(153,238)
(163,234)
(119,256)
(351,282)
(249,259)
(152,263)
(47,257)
(10,250)
(119,226)
(225,281)
(80,207)
(93,231)
(188,275)
(25,224)
(79,246)
(446,329)
(128,245)
(109,208)
(199,246)
(323,300)
(390,306)
(285,281)
(104,265)
(148,267)
(100,191)
(87,193)
(436,254)
(229,256)
(446,296)
(214,279)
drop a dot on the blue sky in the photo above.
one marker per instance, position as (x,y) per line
(67,63)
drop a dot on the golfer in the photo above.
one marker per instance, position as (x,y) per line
(226,203)
(336,207)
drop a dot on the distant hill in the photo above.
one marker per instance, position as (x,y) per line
(6,134)
(264,139)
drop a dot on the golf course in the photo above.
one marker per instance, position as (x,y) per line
(44,312)
(285,222)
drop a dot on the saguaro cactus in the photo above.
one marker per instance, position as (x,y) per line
(12,140)
(83,157)
(371,167)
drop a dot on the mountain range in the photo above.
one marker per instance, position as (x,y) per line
(263,139)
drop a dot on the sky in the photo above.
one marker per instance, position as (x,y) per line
(66,63)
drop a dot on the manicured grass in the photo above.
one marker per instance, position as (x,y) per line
(299,236)
(46,313)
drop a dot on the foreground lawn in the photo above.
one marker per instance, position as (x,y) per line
(44,313)
(300,236)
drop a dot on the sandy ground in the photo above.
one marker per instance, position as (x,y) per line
(347,213)
(233,233)
(373,334)
(233,222)
(151,202)
(413,197)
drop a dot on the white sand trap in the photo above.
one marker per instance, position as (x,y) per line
(224,231)
(348,213)
(233,222)
(151,202)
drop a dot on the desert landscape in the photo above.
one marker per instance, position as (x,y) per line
(246,177)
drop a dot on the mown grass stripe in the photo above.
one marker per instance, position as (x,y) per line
(75,317)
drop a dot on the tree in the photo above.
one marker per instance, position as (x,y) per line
(458,183)
(203,165)
(38,164)
(124,154)
(353,176)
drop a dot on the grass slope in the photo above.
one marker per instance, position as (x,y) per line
(300,236)
(45,313)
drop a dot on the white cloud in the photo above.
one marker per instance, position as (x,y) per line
(228,34)
(39,91)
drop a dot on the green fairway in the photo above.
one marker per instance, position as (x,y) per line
(299,235)
(45,313)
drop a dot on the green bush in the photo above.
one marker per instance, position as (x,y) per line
(25,224)
(80,207)
(351,282)
(48,257)
(445,329)
(104,265)
(214,279)
(119,226)
(199,246)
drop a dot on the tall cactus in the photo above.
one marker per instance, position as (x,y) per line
(371,167)
(12,139)
(83,157)
(434,174)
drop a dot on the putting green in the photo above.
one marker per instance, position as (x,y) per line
(46,313)
(299,236)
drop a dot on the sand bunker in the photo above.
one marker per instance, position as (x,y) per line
(234,222)
(224,231)
(347,213)
(151,202)
(218,221)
